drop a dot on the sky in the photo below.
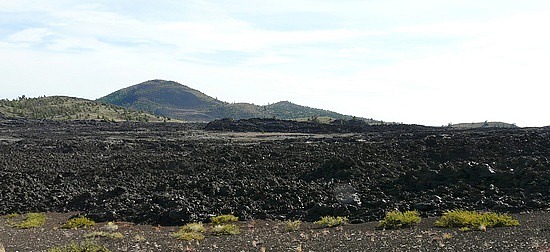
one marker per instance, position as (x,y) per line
(427,62)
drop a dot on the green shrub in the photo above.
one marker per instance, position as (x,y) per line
(331,221)
(226,229)
(85,246)
(32,220)
(79,222)
(397,219)
(193,227)
(291,226)
(191,231)
(467,220)
(226,218)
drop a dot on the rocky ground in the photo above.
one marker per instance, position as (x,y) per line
(265,235)
(170,174)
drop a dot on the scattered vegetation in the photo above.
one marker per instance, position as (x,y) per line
(31,220)
(289,110)
(226,218)
(193,227)
(70,108)
(331,221)
(397,219)
(141,102)
(111,235)
(472,220)
(226,229)
(85,246)
(79,222)
(291,226)
(191,231)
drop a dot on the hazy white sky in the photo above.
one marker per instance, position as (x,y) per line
(424,61)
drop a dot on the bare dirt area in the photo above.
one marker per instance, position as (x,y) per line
(268,235)
(169,174)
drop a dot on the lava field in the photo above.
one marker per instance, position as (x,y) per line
(171,173)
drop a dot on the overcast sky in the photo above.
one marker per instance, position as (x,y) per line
(428,62)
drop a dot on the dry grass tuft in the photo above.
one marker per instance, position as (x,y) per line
(291,226)
(226,229)
(222,219)
(85,246)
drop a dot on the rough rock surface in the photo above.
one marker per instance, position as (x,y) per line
(170,173)
(276,125)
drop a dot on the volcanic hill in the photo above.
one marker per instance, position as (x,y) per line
(172,99)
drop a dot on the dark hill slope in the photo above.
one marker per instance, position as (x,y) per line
(171,99)
(166,98)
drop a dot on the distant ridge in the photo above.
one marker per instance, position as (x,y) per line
(172,99)
(485,124)
(61,108)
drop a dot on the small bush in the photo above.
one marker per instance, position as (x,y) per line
(226,229)
(191,231)
(193,227)
(467,220)
(226,218)
(397,219)
(32,220)
(291,226)
(331,221)
(114,235)
(189,236)
(85,246)
(79,222)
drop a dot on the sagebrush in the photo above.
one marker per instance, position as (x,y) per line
(467,220)
(190,231)
(331,221)
(397,219)
(79,222)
